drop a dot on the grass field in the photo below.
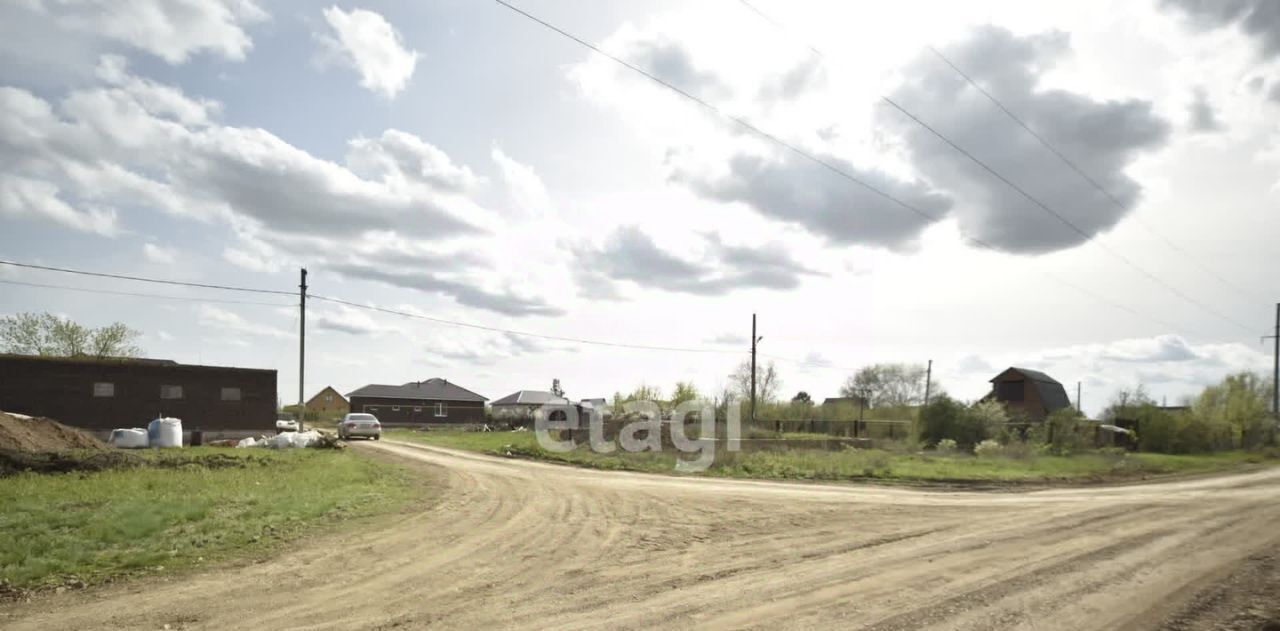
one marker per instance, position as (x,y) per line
(97,525)
(854,464)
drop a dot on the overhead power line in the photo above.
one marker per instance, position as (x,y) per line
(147,280)
(1087,178)
(833,168)
(1089,237)
(494,329)
(143,295)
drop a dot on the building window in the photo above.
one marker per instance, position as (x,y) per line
(440,410)
(328,398)
(370,408)
(170,392)
(395,408)
(417,409)
(231,394)
(103,389)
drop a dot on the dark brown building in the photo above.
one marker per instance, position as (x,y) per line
(1028,393)
(103,394)
(419,403)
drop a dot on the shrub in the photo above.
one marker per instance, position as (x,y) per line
(940,420)
(946,446)
(987,449)
(1066,432)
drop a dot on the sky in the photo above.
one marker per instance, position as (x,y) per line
(1099,202)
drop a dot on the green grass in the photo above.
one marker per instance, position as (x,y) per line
(102,524)
(853,464)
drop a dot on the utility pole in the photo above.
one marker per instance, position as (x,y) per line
(1275,376)
(754,340)
(302,346)
(928,381)
(1078,408)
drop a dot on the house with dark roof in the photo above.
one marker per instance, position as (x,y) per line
(427,402)
(523,403)
(1028,393)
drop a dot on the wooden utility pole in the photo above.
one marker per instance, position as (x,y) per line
(1078,408)
(302,346)
(754,339)
(928,381)
(1275,376)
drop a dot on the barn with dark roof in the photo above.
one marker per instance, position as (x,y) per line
(1028,393)
(419,403)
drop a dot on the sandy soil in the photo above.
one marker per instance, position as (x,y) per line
(518,544)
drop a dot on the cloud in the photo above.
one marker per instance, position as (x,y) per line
(467,293)
(344,319)
(483,348)
(794,189)
(1201,115)
(1105,137)
(729,339)
(629,254)
(523,184)
(75,161)
(219,318)
(173,30)
(366,41)
(26,197)
(1259,19)
(802,78)
(1162,348)
(159,254)
(670,61)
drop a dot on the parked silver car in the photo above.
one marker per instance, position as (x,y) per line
(359,424)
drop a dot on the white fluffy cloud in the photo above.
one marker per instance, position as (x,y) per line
(86,160)
(173,30)
(159,254)
(368,43)
(525,188)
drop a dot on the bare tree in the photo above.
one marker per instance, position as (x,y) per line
(49,335)
(767,381)
(888,385)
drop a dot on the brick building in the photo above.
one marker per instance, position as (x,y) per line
(103,394)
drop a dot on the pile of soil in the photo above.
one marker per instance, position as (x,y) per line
(27,433)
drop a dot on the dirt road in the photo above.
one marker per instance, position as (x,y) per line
(528,545)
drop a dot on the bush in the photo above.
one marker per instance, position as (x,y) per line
(946,446)
(987,449)
(1065,432)
(940,420)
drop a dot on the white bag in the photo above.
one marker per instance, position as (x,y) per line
(289,440)
(165,432)
(248,442)
(134,438)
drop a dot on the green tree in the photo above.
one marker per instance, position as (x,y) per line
(802,398)
(684,391)
(49,335)
(942,419)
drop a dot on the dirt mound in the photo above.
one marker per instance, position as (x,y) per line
(13,462)
(26,433)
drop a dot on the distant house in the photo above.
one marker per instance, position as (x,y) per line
(427,402)
(103,394)
(328,402)
(522,403)
(1028,393)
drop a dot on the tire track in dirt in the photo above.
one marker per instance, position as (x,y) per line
(519,544)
